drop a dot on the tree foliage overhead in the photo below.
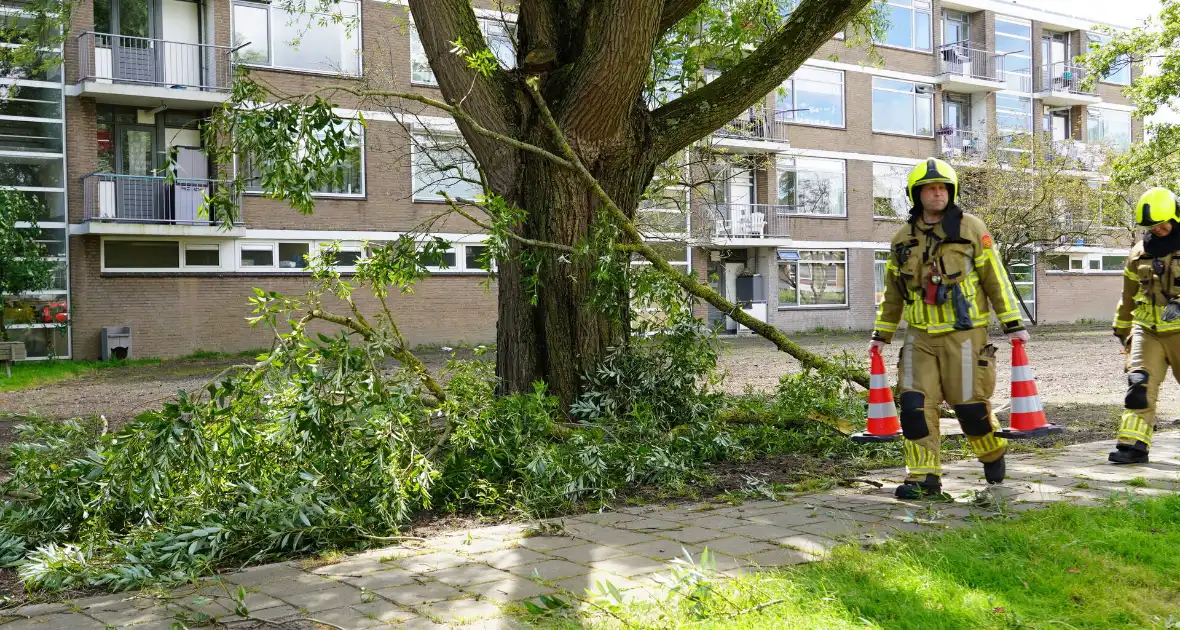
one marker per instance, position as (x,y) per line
(1154,46)
(1037,194)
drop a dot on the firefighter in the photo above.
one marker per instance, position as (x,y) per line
(942,272)
(1147,319)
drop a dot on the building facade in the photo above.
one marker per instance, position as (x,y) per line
(798,231)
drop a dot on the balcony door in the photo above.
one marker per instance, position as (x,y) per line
(182,54)
(1055,55)
(123,46)
(138,188)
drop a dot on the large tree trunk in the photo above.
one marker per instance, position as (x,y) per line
(564,334)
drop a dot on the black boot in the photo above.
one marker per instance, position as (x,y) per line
(910,490)
(1129,453)
(994,471)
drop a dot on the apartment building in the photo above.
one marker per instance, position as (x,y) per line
(800,236)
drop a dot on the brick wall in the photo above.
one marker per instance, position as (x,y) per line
(1068,297)
(173,315)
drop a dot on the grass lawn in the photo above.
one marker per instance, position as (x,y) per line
(1064,567)
(27,374)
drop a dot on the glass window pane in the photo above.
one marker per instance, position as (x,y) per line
(788,285)
(141,254)
(34,102)
(252,26)
(1113,263)
(303,41)
(922,30)
(293,255)
(472,258)
(346,258)
(31,171)
(498,36)
(821,284)
(202,257)
(893,112)
(818,97)
(420,71)
(901,26)
(43,342)
(35,137)
(924,111)
(258,257)
(889,191)
(442,164)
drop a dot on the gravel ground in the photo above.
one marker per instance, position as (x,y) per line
(1079,372)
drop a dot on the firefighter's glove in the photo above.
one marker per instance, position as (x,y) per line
(1172,311)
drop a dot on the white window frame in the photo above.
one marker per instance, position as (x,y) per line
(360,138)
(901,173)
(317,248)
(416,45)
(103,256)
(418,143)
(1023,80)
(1013,112)
(785,163)
(258,246)
(354,34)
(186,246)
(915,7)
(915,93)
(791,117)
(684,208)
(797,306)
(1100,39)
(1099,113)
(1085,261)
(880,263)
(459,249)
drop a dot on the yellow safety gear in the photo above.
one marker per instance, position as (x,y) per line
(1149,284)
(1156,206)
(933,171)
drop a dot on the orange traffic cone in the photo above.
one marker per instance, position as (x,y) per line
(883,425)
(1028,417)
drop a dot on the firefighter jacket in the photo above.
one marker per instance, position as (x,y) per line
(941,278)
(1149,283)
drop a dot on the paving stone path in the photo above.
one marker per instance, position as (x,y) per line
(472,579)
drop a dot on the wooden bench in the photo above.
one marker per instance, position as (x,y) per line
(11,351)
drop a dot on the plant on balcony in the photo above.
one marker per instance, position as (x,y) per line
(945,130)
(24,267)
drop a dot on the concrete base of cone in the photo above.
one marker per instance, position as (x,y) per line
(1011,434)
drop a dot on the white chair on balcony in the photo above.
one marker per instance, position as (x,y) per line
(757,224)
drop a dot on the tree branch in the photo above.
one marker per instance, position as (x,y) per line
(676,10)
(700,112)
(689,284)
(440,23)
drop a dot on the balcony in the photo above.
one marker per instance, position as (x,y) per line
(965,69)
(145,205)
(750,220)
(960,144)
(756,130)
(1061,86)
(127,70)
(1085,157)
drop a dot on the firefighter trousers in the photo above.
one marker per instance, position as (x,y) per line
(1147,366)
(960,368)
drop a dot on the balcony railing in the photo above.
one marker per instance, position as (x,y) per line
(1062,77)
(756,124)
(1086,157)
(751,220)
(1018,81)
(141,199)
(143,61)
(960,143)
(963,60)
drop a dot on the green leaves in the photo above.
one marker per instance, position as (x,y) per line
(24,266)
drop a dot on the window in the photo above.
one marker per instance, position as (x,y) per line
(141,254)
(810,186)
(1086,263)
(810,278)
(903,107)
(909,24)
(202,255)
(307,41)
(459,258)
(675,252)
(664,213)
(889,191)
(1014,47)
(442,163)
(258,255)
(1022,273)
(497,33)
(880,261)
(1013,113)
(1120,72)
(346,258)
(348,178)
(1108,126)
(813,97)
(293,255)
